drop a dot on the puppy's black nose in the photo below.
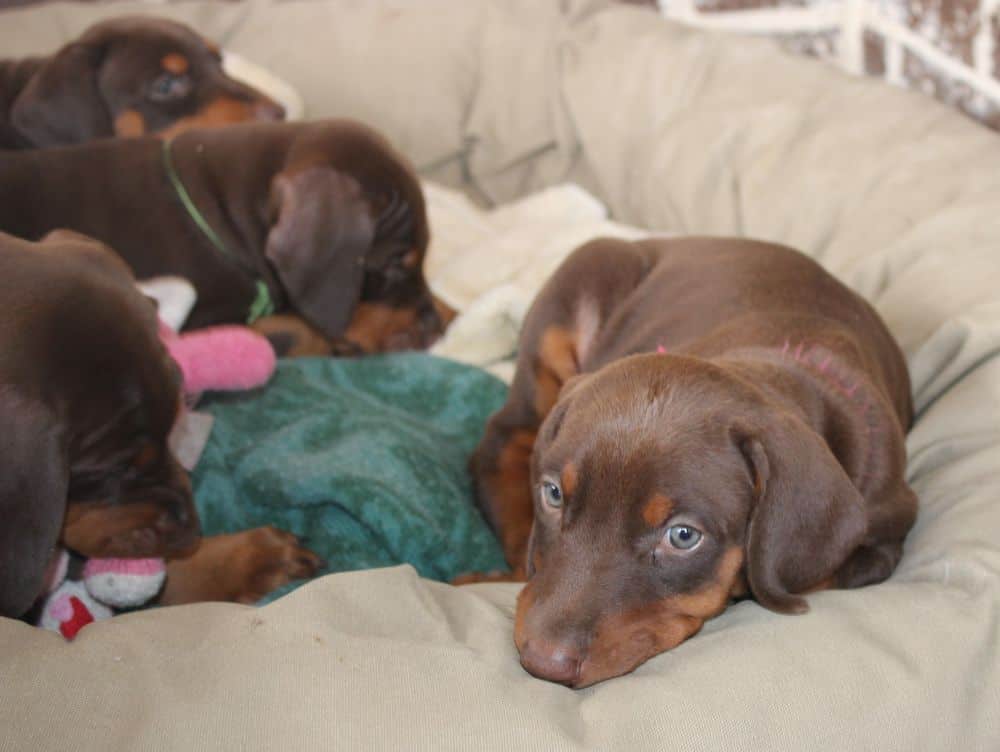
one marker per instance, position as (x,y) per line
(430,326)
(553,661)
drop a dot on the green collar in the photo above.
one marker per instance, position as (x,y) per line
(262,304)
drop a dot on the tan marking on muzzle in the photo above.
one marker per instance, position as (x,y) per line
(130,124)
(445,312)
(304,340)
(374,327)
(623,642)
(218,112)
(129,530)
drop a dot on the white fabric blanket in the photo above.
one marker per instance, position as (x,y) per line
(490,264)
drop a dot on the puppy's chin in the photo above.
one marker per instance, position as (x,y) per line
(148,542)
(400,341)
(573,640)
(619,644)
(137,543)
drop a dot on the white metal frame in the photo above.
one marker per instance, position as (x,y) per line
(850,19)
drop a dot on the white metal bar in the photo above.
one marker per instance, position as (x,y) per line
(894,62)
(851,45)
(983,45)
(986,85)
(852,17)
(818,18)
(679,9)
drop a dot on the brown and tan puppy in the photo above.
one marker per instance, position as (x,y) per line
(325,217)
(88,396)
(691,421)
(128,76)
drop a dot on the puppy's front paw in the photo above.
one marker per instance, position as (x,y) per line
(241,567)
(268,559)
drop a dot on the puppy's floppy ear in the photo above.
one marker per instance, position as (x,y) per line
(34,475)
(62,104)
(318,242)
(808,516)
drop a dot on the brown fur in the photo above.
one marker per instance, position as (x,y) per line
(556,364)
(326,214)
(124,77)
(89,399)
(772,424)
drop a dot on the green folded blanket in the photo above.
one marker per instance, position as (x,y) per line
(364,458)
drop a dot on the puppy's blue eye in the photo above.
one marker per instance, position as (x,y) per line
(552,494)
(683,536)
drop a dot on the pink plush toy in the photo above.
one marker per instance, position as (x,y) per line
(222,358)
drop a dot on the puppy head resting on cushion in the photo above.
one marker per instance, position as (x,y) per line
(348,238)
(132,76)
(89,397)
(712,486)
(692,420)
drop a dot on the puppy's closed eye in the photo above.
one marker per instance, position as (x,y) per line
(170,87)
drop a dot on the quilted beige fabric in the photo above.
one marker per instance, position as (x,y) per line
(674,130)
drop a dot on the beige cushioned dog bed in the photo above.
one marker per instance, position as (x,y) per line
(675,130)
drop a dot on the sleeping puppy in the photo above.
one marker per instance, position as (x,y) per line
(691,421)
(88,399)
(324,220)
(123,77)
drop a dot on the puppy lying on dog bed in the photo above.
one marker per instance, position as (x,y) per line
(90,397)
(691,420)
(323,220)
(128,77)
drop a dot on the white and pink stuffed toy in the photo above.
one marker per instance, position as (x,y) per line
(107,585)
(222,358)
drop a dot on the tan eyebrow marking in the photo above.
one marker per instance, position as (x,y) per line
(175,63)
(569,479)
(657,510)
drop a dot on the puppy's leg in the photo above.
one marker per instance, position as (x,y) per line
(557,335)
(893,514)
(501,471)
(242,567)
